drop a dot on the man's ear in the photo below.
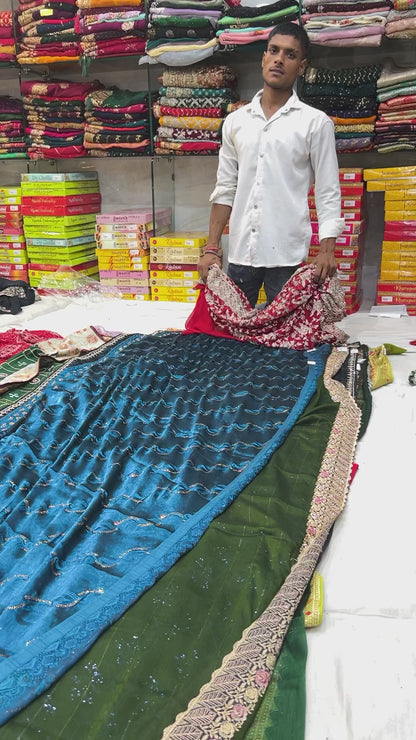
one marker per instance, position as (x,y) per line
(302,67)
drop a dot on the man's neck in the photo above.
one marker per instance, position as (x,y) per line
(272,100)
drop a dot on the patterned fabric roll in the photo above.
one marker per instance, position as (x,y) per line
(163,110)
(348,76)
(215,76)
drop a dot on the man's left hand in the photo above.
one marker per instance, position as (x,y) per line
(325,262)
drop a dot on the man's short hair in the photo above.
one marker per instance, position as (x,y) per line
(287,28)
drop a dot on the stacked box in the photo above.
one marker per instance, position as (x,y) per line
(349,245)
(174,261)
(123,249)
(396,283)
(13,253)
(59,212)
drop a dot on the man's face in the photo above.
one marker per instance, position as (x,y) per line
(283,61)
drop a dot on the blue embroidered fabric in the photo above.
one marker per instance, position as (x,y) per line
(113,469)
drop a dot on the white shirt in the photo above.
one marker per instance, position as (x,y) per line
(265,171)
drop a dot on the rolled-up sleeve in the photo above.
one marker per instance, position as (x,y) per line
(327,187)
(227,171)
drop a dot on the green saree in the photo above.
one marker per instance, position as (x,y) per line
(147,667)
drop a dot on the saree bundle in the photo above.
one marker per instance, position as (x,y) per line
(191,107)
(12,133)
(396,93)
(192,514)
(7,42)
(117,122)
(349,23)
(47,31)
(242,24)
(349,97)
(107,30)
(55,118)
(182,32)
(401,24)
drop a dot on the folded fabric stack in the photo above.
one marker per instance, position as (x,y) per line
(7,45)
(396,117)
(401,24)
(347,23)
(12,134)
(349,97)
(13,253)
(244,24)
(117,123)
(182,32)
(47,31)
(55,117)
(59,212)
(191,108)
(110,29)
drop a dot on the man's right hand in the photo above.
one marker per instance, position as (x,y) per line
(205,263)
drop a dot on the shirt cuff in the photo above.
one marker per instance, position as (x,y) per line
(222,196)
(331,228)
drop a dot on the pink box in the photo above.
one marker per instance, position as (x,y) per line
(125,274)
(133,216)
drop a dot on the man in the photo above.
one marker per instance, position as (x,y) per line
(273,150)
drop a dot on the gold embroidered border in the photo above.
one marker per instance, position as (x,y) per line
(223,704)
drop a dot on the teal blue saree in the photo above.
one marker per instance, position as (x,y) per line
(113,469)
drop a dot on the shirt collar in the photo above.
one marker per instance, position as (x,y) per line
(293,102)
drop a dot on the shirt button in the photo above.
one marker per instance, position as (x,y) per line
(253,231)
(255,205)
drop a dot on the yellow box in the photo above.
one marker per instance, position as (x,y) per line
(399,263)
(400,215)
(397,275)
(174,274)
(175,299)
(404,254)
(6,200)
(389,246)
(174,258)
(386,173)
(180,239)
(401,205)
(6,192)
(13,259)
(376,186)
(180,291)
(400,182)
(408,194)
(172,283)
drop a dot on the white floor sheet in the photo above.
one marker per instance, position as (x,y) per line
(361,669)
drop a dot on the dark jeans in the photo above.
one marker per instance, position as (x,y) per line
(250,280)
